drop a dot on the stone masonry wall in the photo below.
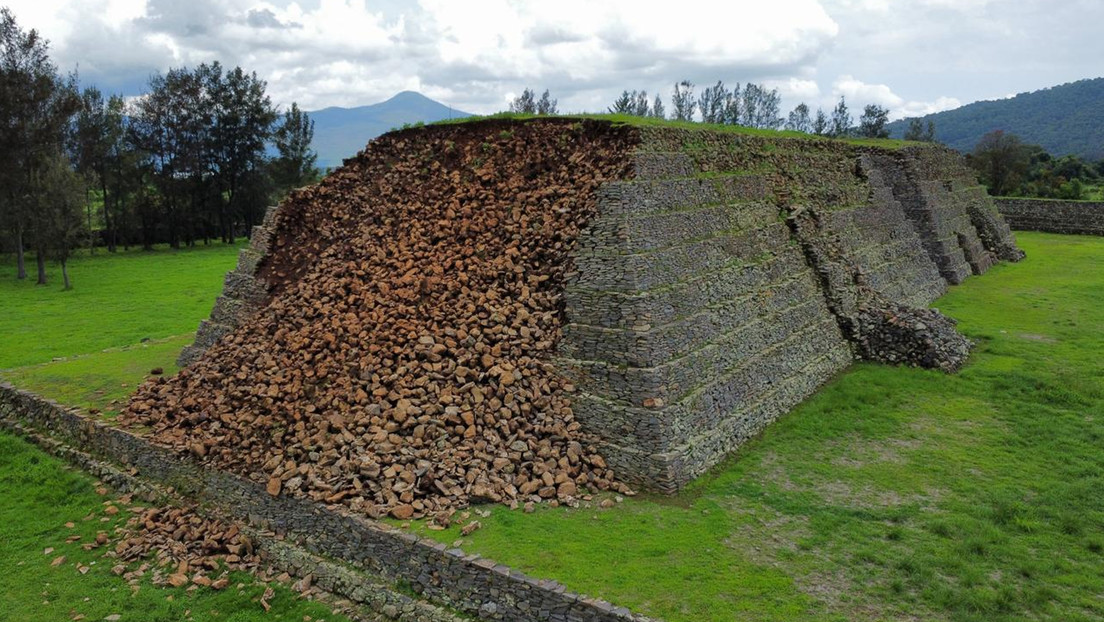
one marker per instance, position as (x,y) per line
(242,293)
(1076,217)
(734,275)
(468,583)
(692,322)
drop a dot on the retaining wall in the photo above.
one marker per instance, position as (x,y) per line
(701,309)
(468,583)
(1076,217)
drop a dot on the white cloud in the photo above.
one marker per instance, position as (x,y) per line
(859,94)
(347,52)
(473,54)
(797,89)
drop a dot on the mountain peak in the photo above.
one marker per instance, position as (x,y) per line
(403,96)
(341,132)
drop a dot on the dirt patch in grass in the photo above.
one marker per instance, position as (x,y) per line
(842,493)
(1034,337)
(857,451)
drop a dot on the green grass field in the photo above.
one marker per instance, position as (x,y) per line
(893,493)
(97,331)
(40,496)
(117,300)
(127,313)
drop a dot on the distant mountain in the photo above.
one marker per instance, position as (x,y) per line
(1065,120)
(341,132)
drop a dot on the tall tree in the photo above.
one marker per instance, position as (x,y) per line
(60,194)
(36,104)
(761,107)
(712,101)
(841,121)
(170,126)
(733,106)
(123,176)
(749,105)
(1001,160)
(242,125)
(872,123)
(526,103)
(657,108)
(631,102)
(820,124)
(98,151)
(623,104)
(682,101)
(547,105)
(917,131)
(640,104)
(798,119)
(295,164)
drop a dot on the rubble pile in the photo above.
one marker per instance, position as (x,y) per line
(191,546)
(900,335)
(401,365)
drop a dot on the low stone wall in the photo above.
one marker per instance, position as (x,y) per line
(467,583)
(1076,217)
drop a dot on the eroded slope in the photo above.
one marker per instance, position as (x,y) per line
(400,364)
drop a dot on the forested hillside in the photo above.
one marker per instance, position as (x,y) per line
(1065,120)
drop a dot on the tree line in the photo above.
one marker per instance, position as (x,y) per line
(1010,167)
(750,105)
(196,158)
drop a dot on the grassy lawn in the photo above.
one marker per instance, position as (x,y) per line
(40,496)
(85,347)
(97,329)
(892,494)
(102,380)
(116,300)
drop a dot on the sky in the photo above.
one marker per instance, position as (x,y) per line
(912,57)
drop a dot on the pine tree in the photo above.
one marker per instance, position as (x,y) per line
(525,103)
(657,108)
(623,104)
(295,164)
(712,101)
(872,123)
(640,103)
(820,125)
(682,101)
(841,121)
(547,105)
(798,120)
(36,105)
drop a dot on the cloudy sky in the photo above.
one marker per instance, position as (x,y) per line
(911,56)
